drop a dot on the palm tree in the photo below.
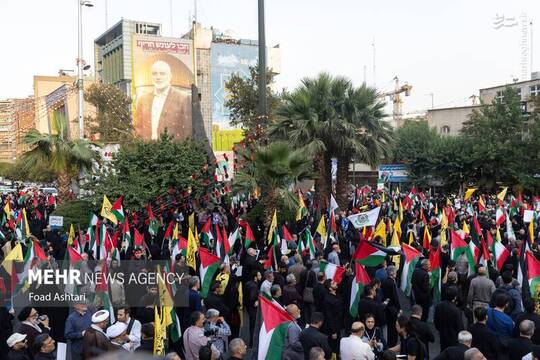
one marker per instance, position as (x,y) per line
(330,118)
(64,156)
(275,170)
(372,137)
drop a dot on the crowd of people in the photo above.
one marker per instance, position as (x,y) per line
(479,307)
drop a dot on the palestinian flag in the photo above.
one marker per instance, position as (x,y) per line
(368,255)
(411,256)
(206,233)
(533,274)
(435,278)
(250,238)
(178,247)
(285,239)
(332,271)
(117,210)
(271,260)
(275,321)
(209,265)
(166,293)
(361,279)
(524,249)
(458,247)
(126,236)
(34,255)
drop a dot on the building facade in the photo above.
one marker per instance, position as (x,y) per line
(449,121)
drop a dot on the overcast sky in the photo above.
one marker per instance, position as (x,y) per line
(448,48)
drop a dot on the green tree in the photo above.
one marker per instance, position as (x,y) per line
(498,136)
(243,102)
(65,157)
(144,170)
(274,171)
(113,122)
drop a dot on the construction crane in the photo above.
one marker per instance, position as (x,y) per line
(395,96)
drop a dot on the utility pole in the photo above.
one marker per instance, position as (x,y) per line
(80,74)
(262,61)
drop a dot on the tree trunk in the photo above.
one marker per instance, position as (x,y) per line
(342,181)
(64,187)
(270,205)
(322,190)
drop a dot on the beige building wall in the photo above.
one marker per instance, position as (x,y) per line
(45,85)
(526,89)
(449,121)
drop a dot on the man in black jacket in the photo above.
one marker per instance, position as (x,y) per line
(529,313)
(368,305)
(216,301)
(420,287)
(251,301)
(483,338)
(312,336)
(457,352)
(448,319)
(518,348)
(393,306)
(423,331)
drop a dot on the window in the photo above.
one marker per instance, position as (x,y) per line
(519,93)
(500,95)
(535,90)
(445,130)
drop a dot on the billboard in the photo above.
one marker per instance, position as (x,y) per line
(228,59)
(393,172)
(161,86)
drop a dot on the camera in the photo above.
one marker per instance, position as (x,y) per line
(208,331)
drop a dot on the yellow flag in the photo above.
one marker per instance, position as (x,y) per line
(531,231)
(71,235)
(191,250)
(273,227)
(301,207)
(191,220)
(400,210)
(7,210)
(502,194)
(465,228)
(160,333)
(448,202)
(383,198)
(321,228)
(469,193)
(397,226)
(26,225)
(106,210)
(175,232)
(498,235)
(380,230)
(411,238)
(14,255)
(444,226)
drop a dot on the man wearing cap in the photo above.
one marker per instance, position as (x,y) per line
(95,340)
(77,322)
(19,345)
(117,333)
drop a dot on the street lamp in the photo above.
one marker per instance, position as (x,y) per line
(80,66)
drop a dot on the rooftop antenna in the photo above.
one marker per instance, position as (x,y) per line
(195,10)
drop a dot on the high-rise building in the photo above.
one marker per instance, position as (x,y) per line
(16,119)
(218,55)
(113,51)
